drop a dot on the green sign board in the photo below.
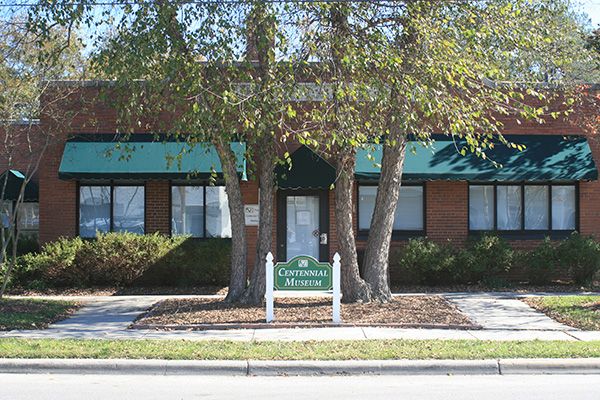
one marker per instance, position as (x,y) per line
(303,273)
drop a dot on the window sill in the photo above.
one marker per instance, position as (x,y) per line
(524,235)
(397,236)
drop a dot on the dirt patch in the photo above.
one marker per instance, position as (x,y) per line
(307,311)
(593,306)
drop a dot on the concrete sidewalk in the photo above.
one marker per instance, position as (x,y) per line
(502,316)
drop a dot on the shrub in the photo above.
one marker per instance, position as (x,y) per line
(121,258)
(581,255)
(126,259)
(541,263)
(192,262)
(484,258)
(425,262)
(55,263)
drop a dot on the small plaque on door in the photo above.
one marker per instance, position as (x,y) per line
(302,217)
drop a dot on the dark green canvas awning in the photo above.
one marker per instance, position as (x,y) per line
(308,171)
(545,158)
(14,181)
(143,160)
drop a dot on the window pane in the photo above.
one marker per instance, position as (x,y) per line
(6,213)
(94,210)
(128,209)
(481,208)
(509,207)
(29,216)
(563,207)
(187,210)
(409,211)
(536,207)
(218,222)
(366,205)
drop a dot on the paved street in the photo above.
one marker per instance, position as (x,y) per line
(96,387)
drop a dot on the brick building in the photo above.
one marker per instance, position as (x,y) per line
(549,189)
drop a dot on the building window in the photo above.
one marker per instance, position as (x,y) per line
(200,211)
(481,208)
(563,207)
(409,213)
(6,213)
(111,209)
(508,208)
(522,207)
(29,216)
(128,209)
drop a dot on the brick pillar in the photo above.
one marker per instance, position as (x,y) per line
(158,207)
(447,211)
(58,199)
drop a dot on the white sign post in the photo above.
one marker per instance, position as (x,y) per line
(306,274)
(337,292)
(269,291)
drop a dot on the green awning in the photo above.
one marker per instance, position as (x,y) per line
(14,181)
(308,171)
(545,158)
(83,159)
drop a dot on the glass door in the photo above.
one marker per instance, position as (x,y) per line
(302,234)
(302,225)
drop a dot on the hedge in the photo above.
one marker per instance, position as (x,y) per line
(488,258)
(126,259)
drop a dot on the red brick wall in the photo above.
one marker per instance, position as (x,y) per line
(446,202)
(158,207)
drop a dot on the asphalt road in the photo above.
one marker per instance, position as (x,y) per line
(117,387)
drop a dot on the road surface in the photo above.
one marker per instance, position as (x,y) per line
(116,387)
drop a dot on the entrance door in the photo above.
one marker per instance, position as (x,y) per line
(302,225)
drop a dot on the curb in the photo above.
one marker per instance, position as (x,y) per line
(292,325)
(301,368)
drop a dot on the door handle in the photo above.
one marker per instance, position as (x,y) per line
(323,238)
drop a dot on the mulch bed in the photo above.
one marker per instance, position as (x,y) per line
(200,314)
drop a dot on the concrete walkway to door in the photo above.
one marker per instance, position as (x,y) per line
(502,315)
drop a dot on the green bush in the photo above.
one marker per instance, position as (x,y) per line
(55,264)
(581,255)
(483,259)
(126,259)
(425,262)
(192,262)
(541,263)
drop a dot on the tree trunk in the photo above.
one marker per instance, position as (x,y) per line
(255,292)
(377,253)
(239,269)
(354,288)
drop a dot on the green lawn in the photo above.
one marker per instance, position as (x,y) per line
(32,313)
(581,312)
(330,350)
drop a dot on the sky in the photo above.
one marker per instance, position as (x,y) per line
(592,9)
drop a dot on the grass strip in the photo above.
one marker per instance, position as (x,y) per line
(33,313)
(314,350)
(581,312)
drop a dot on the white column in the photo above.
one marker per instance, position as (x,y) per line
(269,287)
(336,289)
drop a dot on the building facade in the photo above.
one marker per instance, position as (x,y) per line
(87,185)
